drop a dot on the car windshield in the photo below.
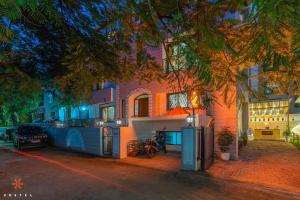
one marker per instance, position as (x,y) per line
(29,130)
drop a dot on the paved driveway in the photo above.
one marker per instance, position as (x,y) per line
(55,174)
(270,163)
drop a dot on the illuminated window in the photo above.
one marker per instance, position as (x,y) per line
(173,137)
(84,113)
(177,99)
(176,58)
(108,113)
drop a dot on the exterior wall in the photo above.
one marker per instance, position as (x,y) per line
(157,97)
(86,140)
(225,116)
(106,95)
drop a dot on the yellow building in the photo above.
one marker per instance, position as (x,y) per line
(269,119)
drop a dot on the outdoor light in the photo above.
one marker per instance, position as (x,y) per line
(100,123)
(83,108)
(118,122)
(190,120)
(59,124)
(194,100)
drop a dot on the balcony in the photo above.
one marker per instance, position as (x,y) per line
(106,95)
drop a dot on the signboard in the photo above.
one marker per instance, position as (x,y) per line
(267,132)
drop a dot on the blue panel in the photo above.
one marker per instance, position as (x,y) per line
(61,114)
(178,138)
(173,138)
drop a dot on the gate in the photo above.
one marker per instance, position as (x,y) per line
(205,147)
(107,141)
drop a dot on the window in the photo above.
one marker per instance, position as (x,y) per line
(50,98)
(108,113)
(173,138)
(297,102)
(141,106)
(98,86)
(123,106)
(177,99)
(53,115)
(176,54)
(84,114)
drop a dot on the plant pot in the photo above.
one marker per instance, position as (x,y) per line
(245,142)
(225,156)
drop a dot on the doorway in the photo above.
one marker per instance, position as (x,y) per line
(141,106)
(107,141)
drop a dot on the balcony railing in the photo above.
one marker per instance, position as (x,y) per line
(85,123)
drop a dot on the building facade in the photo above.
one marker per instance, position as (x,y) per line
(270,116)
(148,108)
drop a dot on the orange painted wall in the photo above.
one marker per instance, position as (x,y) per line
(225,116)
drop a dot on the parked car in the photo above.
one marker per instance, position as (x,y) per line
(9,134)
(28,136)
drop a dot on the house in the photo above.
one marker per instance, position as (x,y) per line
(149,108)
(102,105)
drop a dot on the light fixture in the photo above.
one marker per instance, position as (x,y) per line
(118,122)
(190,120)
(100,123)
(59,124)
(194,100)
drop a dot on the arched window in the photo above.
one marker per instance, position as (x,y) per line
(141,106)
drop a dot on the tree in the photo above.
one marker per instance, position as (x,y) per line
(59,42)
(212,47)
(53,44)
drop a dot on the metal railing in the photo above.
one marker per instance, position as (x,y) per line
(295,139)
(85,123)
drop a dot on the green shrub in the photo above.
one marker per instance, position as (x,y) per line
(225,139)
(287,132)
(245,138)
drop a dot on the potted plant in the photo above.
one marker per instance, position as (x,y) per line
(287,134)
(245,138)
(225,139)
(240,143)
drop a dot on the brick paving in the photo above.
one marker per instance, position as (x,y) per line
(54,174)
(274,164)
(165,162)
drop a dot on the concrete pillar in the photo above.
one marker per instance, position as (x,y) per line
(121,137)
(116,142)
(190,159)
